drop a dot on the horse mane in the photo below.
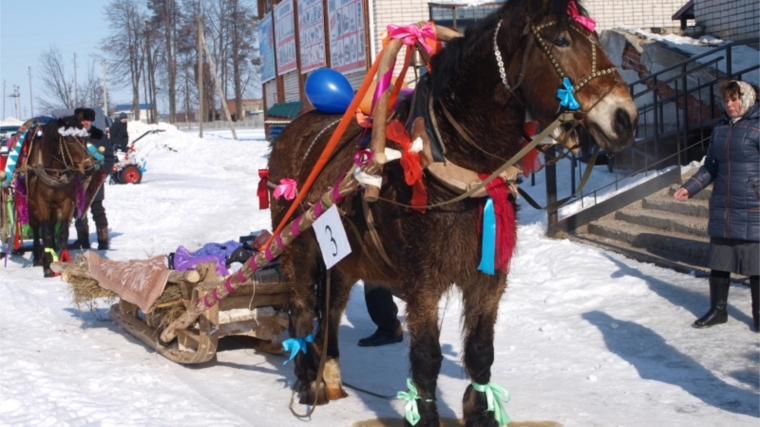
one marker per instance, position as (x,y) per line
(462,53)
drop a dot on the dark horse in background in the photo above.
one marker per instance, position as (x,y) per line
(540,45)
(58,170)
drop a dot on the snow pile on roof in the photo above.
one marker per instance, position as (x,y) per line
(10,121)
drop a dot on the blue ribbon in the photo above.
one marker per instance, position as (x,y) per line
(489,239)
(566,97)
(294,344)
(496,396)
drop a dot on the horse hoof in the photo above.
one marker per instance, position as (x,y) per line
(335,393)
(309,396)
(49,273)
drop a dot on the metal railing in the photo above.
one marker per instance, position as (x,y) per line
(678,107)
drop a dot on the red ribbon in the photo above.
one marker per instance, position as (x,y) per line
(410,162)
(530,163)
(506,224)
(262,191)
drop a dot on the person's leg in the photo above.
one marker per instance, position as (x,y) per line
(83,233)
(754,287)
(383,311)
(101,223)
(719,283)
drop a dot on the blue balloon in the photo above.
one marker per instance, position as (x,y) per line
(329,91)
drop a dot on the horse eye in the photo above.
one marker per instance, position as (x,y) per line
(562,42)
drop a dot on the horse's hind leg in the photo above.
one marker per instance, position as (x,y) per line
(481,303)
(37,260)
(424,352)
(48,242)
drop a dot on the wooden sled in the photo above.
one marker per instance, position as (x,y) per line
(257,309)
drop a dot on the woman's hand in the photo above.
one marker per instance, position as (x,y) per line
(682,194)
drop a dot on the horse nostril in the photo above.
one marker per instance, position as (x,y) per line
(623,125)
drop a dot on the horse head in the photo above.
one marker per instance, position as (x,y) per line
(536,58)
(66,147)
(563,67)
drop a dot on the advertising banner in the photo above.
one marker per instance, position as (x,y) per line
(311,29)
(285,35)
(266,48)
(346,28)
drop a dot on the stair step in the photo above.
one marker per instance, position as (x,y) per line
(692,207)
(662,220)
(686,247)
(671,261)
(702,195)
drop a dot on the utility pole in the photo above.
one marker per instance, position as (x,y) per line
(200,79)
(17,103)
(31,99)
(105,91)
(76,86)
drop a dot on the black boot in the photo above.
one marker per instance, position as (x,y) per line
(754,288)
(102,238)
(718,298)
(383,336)
(83,235)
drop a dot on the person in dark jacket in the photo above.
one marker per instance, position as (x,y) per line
(119,134)
(99,139)
(732,164)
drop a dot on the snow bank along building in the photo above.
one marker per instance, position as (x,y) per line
(300,36)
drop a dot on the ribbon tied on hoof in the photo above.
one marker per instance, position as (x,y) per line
(293,345)
(496,397)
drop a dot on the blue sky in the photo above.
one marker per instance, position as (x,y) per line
(29,27)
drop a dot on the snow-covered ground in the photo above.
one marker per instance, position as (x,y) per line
(584,337)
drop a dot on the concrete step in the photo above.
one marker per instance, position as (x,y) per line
(702,195)
(662,220)
(688,248)
(671,261)
(692,207)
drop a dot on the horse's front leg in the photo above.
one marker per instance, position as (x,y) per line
(481,303)
(37,253)
(48,243)
(340,290)
(424,353)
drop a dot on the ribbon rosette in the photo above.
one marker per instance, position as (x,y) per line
(496,396)
(410,161)
(293,345)
(409,34)
(287,188)
(411,413)
(566,97)
(585,21)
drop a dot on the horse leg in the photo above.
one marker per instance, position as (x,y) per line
(340,290)
(48,242)
(481,303)
(36,246)
(424,352)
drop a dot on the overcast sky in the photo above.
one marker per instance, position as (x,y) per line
(30,27)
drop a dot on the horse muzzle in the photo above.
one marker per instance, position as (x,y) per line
(613,120)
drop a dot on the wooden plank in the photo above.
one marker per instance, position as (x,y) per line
(245,301)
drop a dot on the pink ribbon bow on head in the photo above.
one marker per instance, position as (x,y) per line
(411,33)
(287,188)
(586,22)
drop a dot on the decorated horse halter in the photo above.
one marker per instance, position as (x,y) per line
(566,93)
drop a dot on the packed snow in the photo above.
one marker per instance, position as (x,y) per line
(584,337)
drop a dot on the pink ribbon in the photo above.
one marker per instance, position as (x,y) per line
(586,22)
(286,188)
(409,34)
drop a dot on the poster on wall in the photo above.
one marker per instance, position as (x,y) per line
(266,47)
(311,29)
(285,35)
(346,26)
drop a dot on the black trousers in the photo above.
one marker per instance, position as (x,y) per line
(382,310)
(98,215)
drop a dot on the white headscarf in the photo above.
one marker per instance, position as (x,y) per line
(747,96)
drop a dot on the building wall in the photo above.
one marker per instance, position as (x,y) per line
(728,19)
(271,93)
(640,13)
(291,86)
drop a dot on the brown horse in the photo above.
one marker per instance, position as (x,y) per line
(58,170)
(480,99)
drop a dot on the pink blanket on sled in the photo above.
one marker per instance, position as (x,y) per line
(140,282)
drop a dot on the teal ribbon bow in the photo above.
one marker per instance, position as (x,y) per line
(294,344)
(411,413)
(489,239)
(566,97)
(496,396)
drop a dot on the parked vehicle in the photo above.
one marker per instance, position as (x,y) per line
(7,131)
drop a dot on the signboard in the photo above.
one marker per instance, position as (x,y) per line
(331,237)
(285,35)
(346,28)
(311,29)
(266,47)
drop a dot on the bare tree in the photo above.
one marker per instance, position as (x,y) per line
(126,45)
(91,93)
(55,83)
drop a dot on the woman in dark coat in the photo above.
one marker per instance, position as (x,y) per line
(733,166)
